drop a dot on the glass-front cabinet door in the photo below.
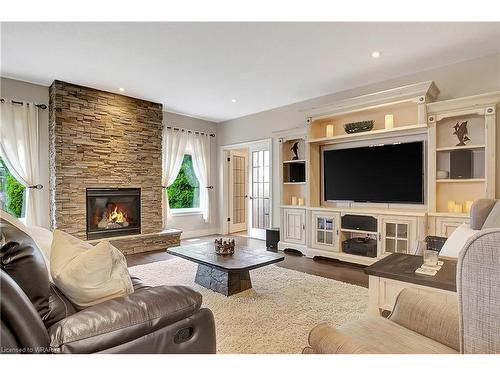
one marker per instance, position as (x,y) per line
(325,230)
(396,236)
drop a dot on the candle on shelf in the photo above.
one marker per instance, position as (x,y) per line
(458,208)
(451,206)
(468,205)
(389,121)
(329,130)
(294,201)
(301,201)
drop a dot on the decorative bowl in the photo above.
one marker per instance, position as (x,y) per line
(360,126)
(224,246)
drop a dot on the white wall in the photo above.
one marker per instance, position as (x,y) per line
(462,79)
(28,92)
(194,225)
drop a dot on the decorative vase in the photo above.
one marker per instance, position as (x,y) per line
(360,126)
(224,246)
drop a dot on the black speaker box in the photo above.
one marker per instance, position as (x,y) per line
(297,172)
(461,164)
(272,238)
(358,222)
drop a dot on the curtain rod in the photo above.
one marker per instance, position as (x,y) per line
(41,106)
(190,131)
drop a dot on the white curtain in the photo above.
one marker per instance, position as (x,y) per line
(19,151)
(173,148)
(200,146)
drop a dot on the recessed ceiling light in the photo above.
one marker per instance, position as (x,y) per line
(233,100)
(375,54)
(121,89)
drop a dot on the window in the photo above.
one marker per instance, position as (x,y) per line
(184,193)
(12,193)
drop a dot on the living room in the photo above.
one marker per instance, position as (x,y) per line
(250,188)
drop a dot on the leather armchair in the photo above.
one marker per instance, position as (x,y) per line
(37,318)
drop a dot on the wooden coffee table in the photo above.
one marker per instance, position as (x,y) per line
(225,274)
(390,275)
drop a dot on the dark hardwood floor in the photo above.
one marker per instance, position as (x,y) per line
(329,268)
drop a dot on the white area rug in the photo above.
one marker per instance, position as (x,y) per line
(276,315)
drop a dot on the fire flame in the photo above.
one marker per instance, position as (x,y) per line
(117,216)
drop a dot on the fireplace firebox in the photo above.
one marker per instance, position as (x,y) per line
(113,212)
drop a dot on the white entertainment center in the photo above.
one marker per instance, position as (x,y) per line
(314,227)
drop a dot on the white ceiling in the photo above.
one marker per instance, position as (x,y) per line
(197,68)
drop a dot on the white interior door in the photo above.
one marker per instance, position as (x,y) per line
(238,192)
(259,212)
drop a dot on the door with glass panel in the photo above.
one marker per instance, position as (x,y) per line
(397,235)
(238,173)
(325,235)
(259,191)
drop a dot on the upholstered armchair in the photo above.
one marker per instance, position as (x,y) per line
(424,322)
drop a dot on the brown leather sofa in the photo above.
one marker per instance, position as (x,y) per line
(37,318)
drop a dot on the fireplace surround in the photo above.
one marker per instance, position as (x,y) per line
(113,212)
(102,140)
(99,139)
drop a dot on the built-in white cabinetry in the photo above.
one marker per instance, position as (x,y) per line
(294,226)
(325,230)
(398,235)
(445,226)
(313,225)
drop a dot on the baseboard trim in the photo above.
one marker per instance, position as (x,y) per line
(199,233)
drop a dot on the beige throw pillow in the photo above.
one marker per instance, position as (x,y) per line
(86,274)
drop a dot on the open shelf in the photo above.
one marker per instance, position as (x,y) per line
(357,231)
(293,161)
(294,175)
(462,180)
(404,113)
(466,147)
(370,134)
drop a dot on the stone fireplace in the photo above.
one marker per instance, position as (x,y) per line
(98,142)
(113,212)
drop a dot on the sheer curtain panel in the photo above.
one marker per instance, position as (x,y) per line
(200,146)
(19,150)
(173,148)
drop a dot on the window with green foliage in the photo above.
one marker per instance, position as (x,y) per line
(11,192)
(185,191)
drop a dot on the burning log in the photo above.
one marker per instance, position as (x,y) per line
(113,218)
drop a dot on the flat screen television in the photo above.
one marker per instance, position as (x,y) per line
(392,173)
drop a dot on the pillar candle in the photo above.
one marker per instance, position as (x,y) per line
(301,201)
(294,201)
(458,208)
(468,205)
(329,130)
(389,121)
(451,206)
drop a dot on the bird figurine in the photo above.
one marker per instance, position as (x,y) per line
(462,133)
(295,149)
